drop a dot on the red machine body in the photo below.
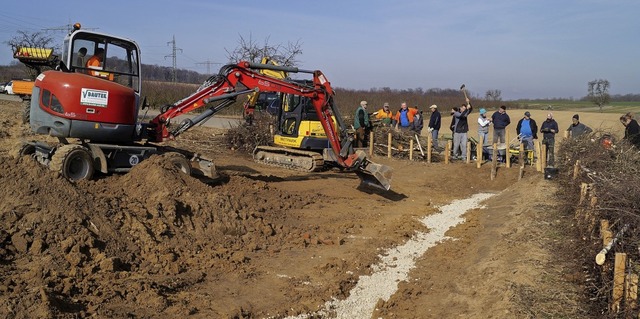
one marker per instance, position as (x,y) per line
(87,98)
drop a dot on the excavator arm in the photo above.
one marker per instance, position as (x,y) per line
(244,78)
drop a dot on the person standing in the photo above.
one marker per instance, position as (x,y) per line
(576,128)
(527,130)
(500,121)
(362,125)
(631,129)
(404,117)
(418,122)
(483,127)
(460,130)
(549,128)
(435,121)
(384,115)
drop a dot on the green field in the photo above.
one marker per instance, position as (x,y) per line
(582,106)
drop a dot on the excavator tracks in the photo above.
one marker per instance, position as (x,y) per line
(299,160)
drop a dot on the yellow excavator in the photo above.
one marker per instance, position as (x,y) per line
(300,141)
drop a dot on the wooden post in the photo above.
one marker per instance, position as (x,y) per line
(605,233)
(631,293)
(479,149)
(506,150)
(576,169)
(618,281)
(543,155)
(371,144)
(566,134)
(468,152)
(411,149)
(584,189)
(389,146)
(429,147)
(539,159)
(521,159)
(447,152)
(494,161)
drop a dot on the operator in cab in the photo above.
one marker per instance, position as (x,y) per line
(96,65)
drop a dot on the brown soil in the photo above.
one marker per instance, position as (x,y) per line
(266,242)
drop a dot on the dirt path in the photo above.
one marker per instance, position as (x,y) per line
(270,243)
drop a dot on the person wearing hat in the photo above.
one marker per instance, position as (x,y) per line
(435,120)
(549,128)
(362,124)
(576,128)
(384,115)
(483,127)
(527,130)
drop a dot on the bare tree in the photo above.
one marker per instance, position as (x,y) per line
(493,95)
(599,92)
(249,50)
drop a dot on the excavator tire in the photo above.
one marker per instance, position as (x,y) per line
(26,111)
(26,149)
(179,161)
(73,161)
(299,160)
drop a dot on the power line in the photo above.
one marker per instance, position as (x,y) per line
(174,56)
(208,64)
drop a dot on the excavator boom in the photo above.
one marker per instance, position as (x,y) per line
(244,78)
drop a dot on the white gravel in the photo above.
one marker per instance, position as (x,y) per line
(396,263)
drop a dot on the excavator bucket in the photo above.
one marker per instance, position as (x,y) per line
(376,175)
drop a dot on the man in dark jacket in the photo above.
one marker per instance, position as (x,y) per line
(460,130)
(435,122)
(549,129)
(576,128)
(527,130)
(631,129)
(500,121)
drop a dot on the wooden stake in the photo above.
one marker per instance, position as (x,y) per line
(429,147)
(618,281)
(539,160)
(506,150)
(494,161)
(584,189)
(468,152)
(411,150)
(479,149)
(371,144)
(604,229)
(576,169)
(389,146)
(543,156)
(447,152)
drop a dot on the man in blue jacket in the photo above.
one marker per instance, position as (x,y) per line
(500,121)
(549,128)
(527,130)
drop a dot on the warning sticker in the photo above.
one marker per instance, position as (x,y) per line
(94,97)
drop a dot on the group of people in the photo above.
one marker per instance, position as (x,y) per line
(405,119)
(527,130)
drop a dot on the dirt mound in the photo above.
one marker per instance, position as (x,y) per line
(125,243)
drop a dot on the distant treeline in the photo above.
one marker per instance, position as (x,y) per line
(159,90)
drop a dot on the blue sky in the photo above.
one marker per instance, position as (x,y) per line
(526,49)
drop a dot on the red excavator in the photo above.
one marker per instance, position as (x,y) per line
(98,105)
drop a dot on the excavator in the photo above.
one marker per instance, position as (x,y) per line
(299,137)
(99,109)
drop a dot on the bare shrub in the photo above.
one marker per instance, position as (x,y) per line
(246,137)
(614,175)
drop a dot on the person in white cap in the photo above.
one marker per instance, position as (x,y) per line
(435,120)
(362,124)
(483,127)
